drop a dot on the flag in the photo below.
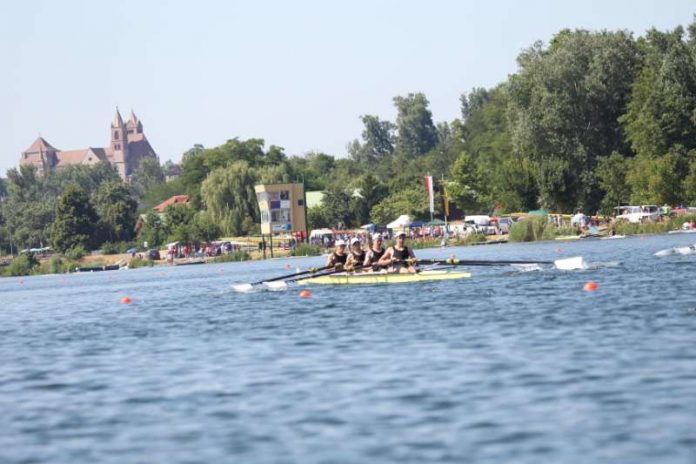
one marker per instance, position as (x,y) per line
(429,188)
(445,198)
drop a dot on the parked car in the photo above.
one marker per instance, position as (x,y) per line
(153,254)
(504,225)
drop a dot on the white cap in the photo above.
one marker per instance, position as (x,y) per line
(377,236)
(340,242)
(401,233)
(354,240)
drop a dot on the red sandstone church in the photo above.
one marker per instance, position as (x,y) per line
(127,148)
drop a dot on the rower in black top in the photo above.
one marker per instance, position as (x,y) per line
(339,256)
(356,257)
(398,254)
(375,252)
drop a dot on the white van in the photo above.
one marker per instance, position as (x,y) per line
(638,214)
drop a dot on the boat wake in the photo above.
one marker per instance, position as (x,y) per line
(688,250)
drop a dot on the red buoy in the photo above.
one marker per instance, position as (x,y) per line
(590,286)
(305,293)
(126,300)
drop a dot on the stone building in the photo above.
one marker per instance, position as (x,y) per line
(127,147)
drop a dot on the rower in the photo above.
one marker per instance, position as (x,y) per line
(356,255)
(374,253)
(398,254)
(339,256)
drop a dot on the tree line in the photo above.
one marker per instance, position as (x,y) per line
(590,120)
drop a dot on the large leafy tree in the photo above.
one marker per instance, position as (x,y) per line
(412,200)
(117,211)
(377,141)
(76,221)
(612,174)
(147,175)
(662,110)
(229,196)
(417,134)
(565,103)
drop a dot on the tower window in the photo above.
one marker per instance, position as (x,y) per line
(115,134)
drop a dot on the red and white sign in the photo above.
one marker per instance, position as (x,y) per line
(429,188)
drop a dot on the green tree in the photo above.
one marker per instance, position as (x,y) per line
(205,228)
(661,112)
(117,211)
(147,175)
(612,172)
(564,105)
(153,230)
(76,220)
(411,200)
(229,196)
(368,191)
(417,134)
(377,141)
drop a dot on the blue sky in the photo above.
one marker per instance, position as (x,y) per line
(297,74)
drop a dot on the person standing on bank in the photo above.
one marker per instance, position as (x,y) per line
(397,255)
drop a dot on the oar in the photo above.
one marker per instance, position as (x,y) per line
(283,285)
(249,287)
(564,264)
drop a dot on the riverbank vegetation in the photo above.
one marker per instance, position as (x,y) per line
(589,120)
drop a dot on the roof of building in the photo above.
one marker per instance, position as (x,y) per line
(69,157)
(40,144)
(118,120)
(176,199)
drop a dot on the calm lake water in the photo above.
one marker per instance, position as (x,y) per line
(507,366)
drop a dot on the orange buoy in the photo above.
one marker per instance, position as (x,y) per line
(590,286)
(126,300)
(305,294)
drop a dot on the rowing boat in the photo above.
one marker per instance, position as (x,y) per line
(385,278)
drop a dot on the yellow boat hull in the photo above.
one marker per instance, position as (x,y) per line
(384,278)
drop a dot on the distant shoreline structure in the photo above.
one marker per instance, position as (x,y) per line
(127,147)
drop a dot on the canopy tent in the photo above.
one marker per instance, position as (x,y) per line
(369,227)
(435,223)
(417,223)
(402,221)
(320,232)
(538,212)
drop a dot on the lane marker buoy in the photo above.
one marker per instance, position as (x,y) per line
(590,286)
(305,293)
(126,300)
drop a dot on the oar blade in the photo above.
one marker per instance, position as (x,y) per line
(570,264)
(243,288)
(276,286)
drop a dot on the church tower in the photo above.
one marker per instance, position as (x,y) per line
(119,145)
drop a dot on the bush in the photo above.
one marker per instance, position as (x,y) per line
(115,248)
(76,253)
(21,266)
(232,257)
(304,249)
(139,262)
(109,248)
(528,230)
(56,265)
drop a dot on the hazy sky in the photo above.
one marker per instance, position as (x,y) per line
(295,73)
